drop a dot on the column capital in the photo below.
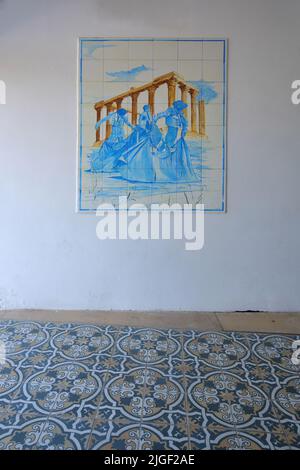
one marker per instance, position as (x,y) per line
(172,81)
(152,88)
(99,105)
(193,92)
(183,86)
(119,103)
(134,96)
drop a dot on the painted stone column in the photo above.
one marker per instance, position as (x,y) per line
(151,98)
(119,103)
(184,96)
(98,110)
(193,94)
(98,107)
(171,91)
(109,108)
(134,109)
(202,123)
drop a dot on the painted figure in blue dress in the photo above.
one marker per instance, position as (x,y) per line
(178,165)
(154,159)
(138,162)
(104,158)
(146,125)
(145,118)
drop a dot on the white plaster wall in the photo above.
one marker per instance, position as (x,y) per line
(50,256)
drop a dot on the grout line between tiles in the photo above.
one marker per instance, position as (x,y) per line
(186,395)
(104,382)
(143,401)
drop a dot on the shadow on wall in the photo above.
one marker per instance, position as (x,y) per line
(13,14)
(16,14)
(145,15)
(88,14)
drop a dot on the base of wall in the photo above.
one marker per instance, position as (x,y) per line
(278,322)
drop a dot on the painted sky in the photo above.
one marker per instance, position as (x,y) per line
(127,75)
(90,48)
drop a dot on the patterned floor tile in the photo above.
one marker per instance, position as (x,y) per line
(276,413)
(149,346)
(226,398)
(38,434)
(231,440)
(287,397)
(125,392)
(162,393)
(256,435)
(137,437)
(77,386)
(276,350)
(214,350)
(83,341)
(62,387)
(172,425)
(205,430)
(21,337)
(291,430)
(119,433)
(9,413)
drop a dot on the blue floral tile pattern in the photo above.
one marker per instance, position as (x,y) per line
(84,386)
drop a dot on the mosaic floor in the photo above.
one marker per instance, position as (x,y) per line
(83,386)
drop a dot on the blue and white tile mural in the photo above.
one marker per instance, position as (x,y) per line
(152,121)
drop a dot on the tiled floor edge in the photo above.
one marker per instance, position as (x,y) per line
(151,319)
(267,322)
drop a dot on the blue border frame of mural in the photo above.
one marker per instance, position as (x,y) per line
(79,209)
